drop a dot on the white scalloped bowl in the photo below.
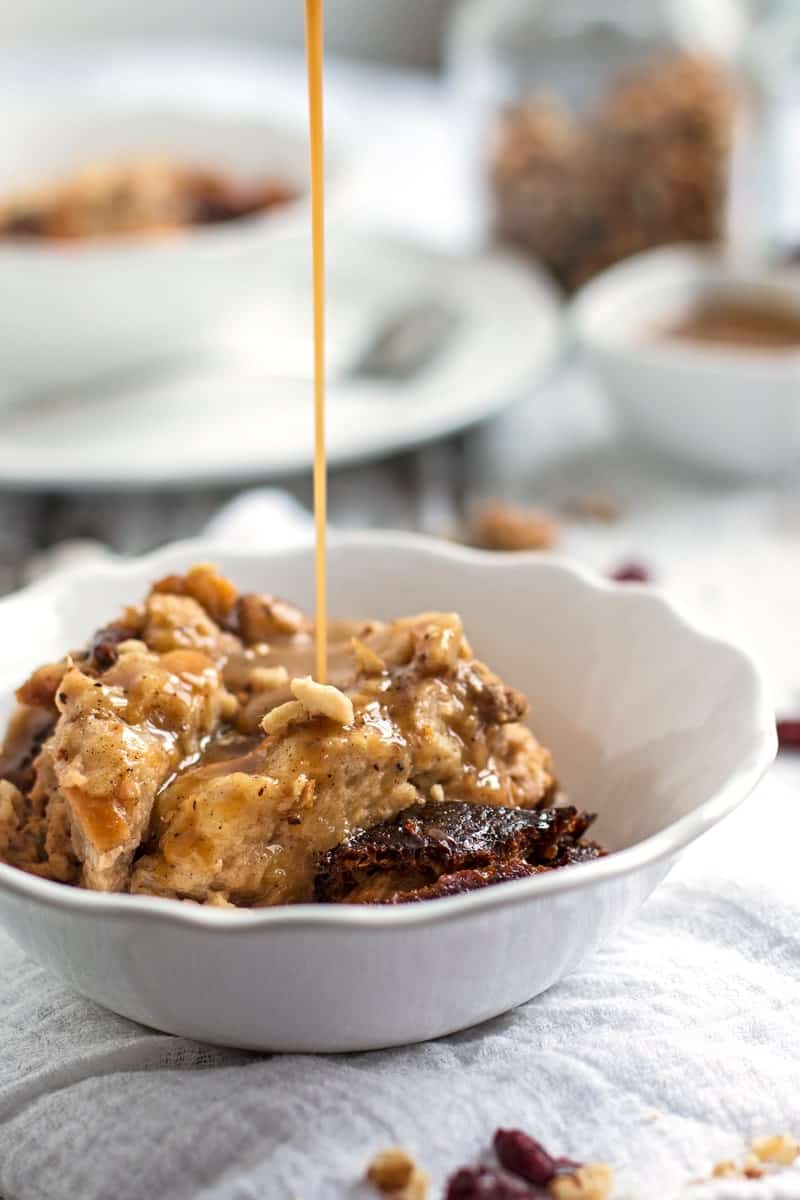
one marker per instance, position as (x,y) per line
(658,727)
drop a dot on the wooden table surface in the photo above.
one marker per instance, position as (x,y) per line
(429,490)
(423,490)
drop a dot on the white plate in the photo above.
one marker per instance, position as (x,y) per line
(658,727)
(248,414)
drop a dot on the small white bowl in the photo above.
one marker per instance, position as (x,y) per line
(730,409)
(74,311)
(658,727)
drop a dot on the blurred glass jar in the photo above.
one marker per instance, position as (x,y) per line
(771,60)
(612,122)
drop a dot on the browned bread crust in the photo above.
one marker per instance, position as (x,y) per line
(446,847)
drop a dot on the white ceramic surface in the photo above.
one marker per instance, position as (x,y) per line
(658,727)
(247,413)
(75,311)
(730,409)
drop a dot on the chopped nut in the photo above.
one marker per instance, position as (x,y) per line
(306,797)
(286,617)
(133,646)
(323,699)
(133,617)
(780,1148)
(229,706)
(391,1169)
(216,593)
(595,506)
(394,1173)
(40,690)
(725,1169)
(594,1181)
(437,792)
(262,617)
(280,718)
(170,585)
(499,526)
(266,679)
(438,645)
(300,781)
(368,661)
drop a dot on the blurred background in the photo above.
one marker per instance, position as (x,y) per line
(411,32)
(564,304)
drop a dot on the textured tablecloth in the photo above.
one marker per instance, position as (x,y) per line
(666,1051)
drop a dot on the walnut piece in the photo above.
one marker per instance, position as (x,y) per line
(595,506)
(368,661)
(500,526)
(279,719)
(779,1148)
(212,590)
(593,1181)
(264,617)
(132,646)
(266,679)
(395,1174)
(322,699)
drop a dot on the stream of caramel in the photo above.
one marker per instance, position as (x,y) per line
(314,55)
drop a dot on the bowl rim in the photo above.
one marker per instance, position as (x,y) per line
(660,846)
(644,273)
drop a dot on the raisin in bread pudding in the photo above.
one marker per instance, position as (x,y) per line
(186,752)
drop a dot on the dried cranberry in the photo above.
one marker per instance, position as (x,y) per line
(103,652)
(631,573)
(789,734)
(519,1153)
(486,1183)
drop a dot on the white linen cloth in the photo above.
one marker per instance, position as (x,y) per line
(665,1052)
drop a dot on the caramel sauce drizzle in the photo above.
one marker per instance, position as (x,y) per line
(314,56)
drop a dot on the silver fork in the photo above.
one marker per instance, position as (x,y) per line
(406,341)
(402,344)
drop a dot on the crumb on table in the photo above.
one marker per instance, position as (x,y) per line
(594,506)
(593,1181)
(498,525)
(396,1175)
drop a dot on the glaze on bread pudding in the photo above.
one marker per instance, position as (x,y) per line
(187,752)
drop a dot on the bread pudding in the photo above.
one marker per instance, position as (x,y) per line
(140,196)
(186,752)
